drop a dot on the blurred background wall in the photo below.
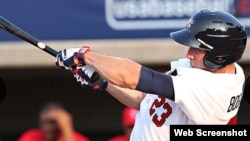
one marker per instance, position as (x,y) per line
(136,29)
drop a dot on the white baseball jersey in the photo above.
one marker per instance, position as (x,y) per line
(201,97)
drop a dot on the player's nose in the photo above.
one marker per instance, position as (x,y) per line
(190,53)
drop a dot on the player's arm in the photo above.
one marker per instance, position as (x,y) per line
(128,97)
(87,77)
(129,74)
(119,71)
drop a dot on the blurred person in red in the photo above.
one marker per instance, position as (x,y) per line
(55,124)
(128,121)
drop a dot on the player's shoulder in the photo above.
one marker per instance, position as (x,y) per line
(239,69)
(31,134)
(32,131)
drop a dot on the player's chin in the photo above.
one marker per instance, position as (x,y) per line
(197,65)
(193,65)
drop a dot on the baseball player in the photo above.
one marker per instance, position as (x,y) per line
(55,124)
(203,88)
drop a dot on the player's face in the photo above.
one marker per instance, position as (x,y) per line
(196,57)
(48,126)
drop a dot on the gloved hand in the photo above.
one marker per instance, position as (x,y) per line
(71,58)
(88,77)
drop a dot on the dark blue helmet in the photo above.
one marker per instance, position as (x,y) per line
(218,32)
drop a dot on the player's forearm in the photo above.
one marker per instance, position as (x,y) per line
(128,74)
(128,97)
(66,132)
(119,71)
(65,124)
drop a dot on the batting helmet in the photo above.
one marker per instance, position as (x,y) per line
(128,116)
(218,32)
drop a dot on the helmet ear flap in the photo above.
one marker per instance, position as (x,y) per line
(216,62)
(219,59)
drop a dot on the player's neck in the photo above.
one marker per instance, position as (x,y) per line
(227,69)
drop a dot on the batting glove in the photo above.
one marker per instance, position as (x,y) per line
(89,78)
(72,57)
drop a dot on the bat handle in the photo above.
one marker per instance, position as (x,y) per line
(51,51)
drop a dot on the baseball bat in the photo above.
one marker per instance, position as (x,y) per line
(18,32)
